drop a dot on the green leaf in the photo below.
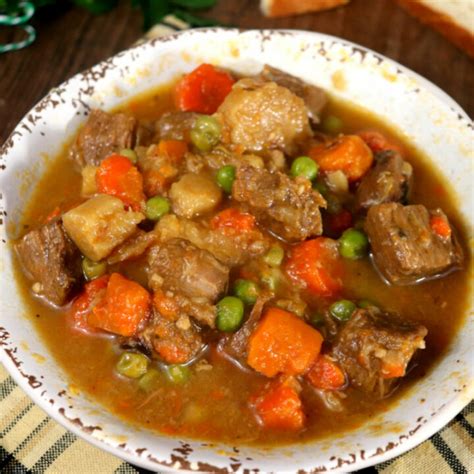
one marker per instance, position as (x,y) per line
(97,6)
(154,11)
(194,20)
(194,4)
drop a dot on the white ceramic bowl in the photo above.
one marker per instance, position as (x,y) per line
(422,112)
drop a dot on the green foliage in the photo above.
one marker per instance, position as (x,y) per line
(153,10)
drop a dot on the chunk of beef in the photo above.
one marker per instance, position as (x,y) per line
(221,156)
(133,247)
(259,114)
(236,345)
(176,125)
(231,250)
(175,339)
(102,135)
(374,350)
(186,269)
(314,97)
(405,247)
(158,170)
(289,207)
(51,261)
(389,181)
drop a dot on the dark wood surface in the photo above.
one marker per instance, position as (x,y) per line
(70,40)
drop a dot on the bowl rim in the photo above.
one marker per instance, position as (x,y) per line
(446,412)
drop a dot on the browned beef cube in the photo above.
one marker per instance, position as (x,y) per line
(289,207)
(389,181)
(405,247)
(314,97)
(194,274)
(102,135)
(176,125)
(51,261)
(374,349)
(174,340)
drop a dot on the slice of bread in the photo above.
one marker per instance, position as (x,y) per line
(452,18)
(274,8)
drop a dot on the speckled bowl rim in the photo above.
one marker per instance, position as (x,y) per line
(179,460)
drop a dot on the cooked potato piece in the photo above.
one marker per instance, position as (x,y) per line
(88,187)
(100,224)
(194,194)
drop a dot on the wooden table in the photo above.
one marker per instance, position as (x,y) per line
(70,40)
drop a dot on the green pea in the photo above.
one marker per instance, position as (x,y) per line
(149,380)
(230,313)
(321,187)
(132,365)
(332,124)
(246,290)
(342,309)
(274,256)
(304,166)
(316,320)
(366,304)
(130,154)
(353,244)
(206,133)
(178,373)
(156,208)
(225,178)
(93,270)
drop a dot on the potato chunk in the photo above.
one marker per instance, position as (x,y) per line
(194,194)
(100,224)
(89,187)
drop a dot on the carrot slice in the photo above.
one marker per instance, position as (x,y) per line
(377,142)
(233,219)
(125,306)
(203,89)
(283,343)
(348,153)
(118,177)
(279,407)
(440,226)
(316,263)
(326,374)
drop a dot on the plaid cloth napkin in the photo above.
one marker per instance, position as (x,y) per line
(30,441)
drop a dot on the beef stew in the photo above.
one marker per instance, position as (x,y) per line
(248,267)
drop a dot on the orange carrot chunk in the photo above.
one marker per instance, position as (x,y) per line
(348,153)
(279,407)
(440,226)
(93,293)
(326,374)
(118,177)
(378,142)
(125,306)
(173,149)
(283,343)
(233,219)
(317,264)
(203,89)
